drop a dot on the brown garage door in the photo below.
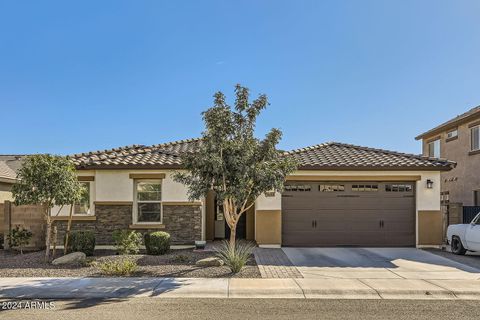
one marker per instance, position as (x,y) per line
(348,214)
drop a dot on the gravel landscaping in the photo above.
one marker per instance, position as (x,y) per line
(177,263)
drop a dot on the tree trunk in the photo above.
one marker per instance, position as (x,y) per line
(231,217)
(233,233)
(67,234)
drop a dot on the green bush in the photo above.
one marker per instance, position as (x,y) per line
(235,257)
(122,267)
(127,241)
(19,238)
(1,241)
(157,243)
(81,241)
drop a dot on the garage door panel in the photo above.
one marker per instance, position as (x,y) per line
(349,217)
(400,239)
(309,239)
(366,238)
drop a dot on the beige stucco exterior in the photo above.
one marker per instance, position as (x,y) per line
(426,199)
(430,226)
(116,186)
(268,228)
(461,181)
(264,223)
(5,192)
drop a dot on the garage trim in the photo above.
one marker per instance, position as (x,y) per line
(353,178)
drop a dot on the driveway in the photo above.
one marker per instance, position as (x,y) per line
(377,263)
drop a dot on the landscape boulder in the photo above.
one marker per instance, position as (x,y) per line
(71,258)
(210,262)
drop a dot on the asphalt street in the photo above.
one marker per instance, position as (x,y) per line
(158,308)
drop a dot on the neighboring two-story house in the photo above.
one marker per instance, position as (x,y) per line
(458,140)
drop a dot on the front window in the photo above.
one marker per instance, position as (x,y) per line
(298,187)
(398,188)
(475,138)
(148,201)
(434,149)
(365,187)
(331,187)
(83,206)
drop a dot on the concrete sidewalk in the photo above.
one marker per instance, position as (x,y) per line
(80,288)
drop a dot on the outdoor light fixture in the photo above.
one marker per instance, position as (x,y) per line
(429,184)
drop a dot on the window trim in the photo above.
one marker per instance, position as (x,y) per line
(432,143)
(90,200)
(135,202)
(365,187)
(341,187)
(471,138)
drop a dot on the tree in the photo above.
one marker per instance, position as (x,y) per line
(47,180)
(233,163)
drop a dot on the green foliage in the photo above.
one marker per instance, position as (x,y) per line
(235,257)
(48,180)
(118,267)
(127,241)
(82,241)
(1,240)
(157,243)
(230,160)
(19,238)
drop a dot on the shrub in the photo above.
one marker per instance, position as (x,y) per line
(121,267)
(157,243)
(19,238)
(81,241)
(1,241)
(235,257)
(127,242)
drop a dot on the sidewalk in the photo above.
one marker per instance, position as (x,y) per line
(80,288)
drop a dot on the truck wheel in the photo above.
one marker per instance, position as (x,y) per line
(457,246)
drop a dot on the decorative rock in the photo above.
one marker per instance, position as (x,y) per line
(210,262)
(71,258)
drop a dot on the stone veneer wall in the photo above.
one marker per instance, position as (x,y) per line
(183,222)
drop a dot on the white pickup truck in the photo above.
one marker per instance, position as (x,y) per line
(464,237)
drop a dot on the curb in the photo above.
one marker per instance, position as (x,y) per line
(290,288)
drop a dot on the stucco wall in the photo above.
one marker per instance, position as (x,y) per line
(464,178)
(426,199)
(5,193)
(269,203)
(117,186)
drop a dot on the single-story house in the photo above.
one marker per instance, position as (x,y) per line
(341,195)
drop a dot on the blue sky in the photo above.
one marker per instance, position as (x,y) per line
(85,75)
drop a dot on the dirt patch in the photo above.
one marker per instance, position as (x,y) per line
(177,263)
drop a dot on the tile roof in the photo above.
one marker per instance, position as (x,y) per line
(334,155)
(6,173)
(330,155)
(164,155)
(452,122)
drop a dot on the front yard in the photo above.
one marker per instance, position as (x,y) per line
(176,263)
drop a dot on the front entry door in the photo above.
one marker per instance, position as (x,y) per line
(241,228)
(219,222)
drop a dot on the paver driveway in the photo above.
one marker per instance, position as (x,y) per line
(377,263)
